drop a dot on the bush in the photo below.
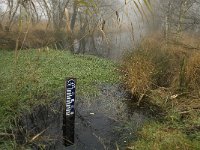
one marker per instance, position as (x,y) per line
(156,63)
(138,73)
(169,75)
(33,36)
(192,72)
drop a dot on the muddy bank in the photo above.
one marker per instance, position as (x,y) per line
(98,123)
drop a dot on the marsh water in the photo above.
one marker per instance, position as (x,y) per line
(111,45)
(100,121)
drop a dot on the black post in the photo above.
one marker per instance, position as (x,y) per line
(69,112)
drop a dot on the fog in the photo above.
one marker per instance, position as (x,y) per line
(125,27)
(117,25)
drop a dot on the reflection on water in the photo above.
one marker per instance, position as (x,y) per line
(111,45)
(99,122)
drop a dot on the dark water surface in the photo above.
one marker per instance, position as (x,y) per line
(112,45)
(95,125)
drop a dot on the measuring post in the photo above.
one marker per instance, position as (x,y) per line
(69,112)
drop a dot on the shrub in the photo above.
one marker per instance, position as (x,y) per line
(169,74)
(156,63)
(192,72)
(138,73)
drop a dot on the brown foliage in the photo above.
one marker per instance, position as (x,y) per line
(33,37)
(138,73)
(192,72)
(156,63)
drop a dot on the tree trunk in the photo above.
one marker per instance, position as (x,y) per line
(167,21)
(73,19)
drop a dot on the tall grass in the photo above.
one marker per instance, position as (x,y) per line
(138,73)
(28,36)
(168,74)
(156,63)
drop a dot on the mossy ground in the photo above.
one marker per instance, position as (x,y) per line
(36,77)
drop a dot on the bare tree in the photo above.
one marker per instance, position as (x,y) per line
(180,15)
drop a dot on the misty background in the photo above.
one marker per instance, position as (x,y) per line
(149,81)
(103,28)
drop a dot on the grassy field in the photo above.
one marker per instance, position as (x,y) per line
(37,76)
(165,75)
